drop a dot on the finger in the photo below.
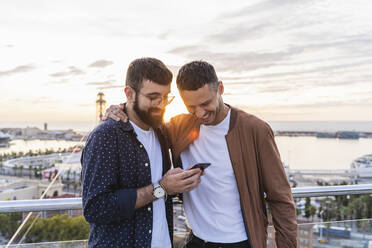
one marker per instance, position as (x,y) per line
(191,180)
(112,107)
(114,117)
(189,173)
(121,105)
(192,186)
(121,115)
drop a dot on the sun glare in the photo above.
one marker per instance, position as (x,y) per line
(175,108)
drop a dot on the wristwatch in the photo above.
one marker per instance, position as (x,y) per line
(159,191)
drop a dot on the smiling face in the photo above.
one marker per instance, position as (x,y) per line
(205,103)
(149,102)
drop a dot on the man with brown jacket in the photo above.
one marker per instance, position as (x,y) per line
(228,208)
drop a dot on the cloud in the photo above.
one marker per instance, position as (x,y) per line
(104,83)
(164,36)
(84,105)
(235,61)
(110,87)
(101,63)
(239,32)
(257,8)
(18,69)
(73,71)
(44,100)
(61,81)
(274,89)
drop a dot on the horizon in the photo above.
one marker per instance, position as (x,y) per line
(311,125)
(281,61)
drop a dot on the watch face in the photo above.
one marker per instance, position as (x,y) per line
(159,192)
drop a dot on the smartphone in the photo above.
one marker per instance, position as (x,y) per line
(202,166)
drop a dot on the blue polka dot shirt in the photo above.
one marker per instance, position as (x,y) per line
(114,165)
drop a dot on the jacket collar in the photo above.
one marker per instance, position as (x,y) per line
(233,117)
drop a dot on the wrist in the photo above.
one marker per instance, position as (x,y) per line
(165,190)
(159,191)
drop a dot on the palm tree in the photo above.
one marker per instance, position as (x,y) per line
(21,170)
(30,170)
(36,172)
(312,211)
(74,173)
(68,174)
(76,184)
(15,169)
(68,182)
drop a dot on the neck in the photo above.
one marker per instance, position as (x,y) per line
(134,117)
(222,114)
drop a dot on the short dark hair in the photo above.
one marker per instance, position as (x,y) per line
(195,75)
(147,68)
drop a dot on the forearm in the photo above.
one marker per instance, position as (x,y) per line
(109,207)
(144,196)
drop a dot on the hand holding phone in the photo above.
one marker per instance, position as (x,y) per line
(201,166)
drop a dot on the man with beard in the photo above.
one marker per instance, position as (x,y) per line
(126,167)
(228,208)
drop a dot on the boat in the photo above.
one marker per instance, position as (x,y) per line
(362,166)
(326,135)
(4,140)
(348,135)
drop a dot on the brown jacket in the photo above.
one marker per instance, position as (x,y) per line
(258,172)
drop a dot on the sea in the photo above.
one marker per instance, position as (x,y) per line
(296,152)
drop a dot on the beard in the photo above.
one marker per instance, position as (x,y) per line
(147,117)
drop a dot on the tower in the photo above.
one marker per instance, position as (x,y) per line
(100,106)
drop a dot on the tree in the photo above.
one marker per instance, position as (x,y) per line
(36,172)
(75,184)
(30,170)
(312,211)
(307,207)
(58,228)
(21,170)
(15,169)
(298,211)
(9,224)
(68,182)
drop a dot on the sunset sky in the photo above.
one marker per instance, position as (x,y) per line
(281,60)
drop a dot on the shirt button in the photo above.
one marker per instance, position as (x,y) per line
(141,146)
(146,164)
(149,231)
(149,209)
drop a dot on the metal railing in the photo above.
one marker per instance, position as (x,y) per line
(76,203)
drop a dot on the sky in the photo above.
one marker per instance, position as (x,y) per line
(283,60)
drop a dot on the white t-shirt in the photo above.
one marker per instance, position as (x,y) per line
(160,231)
(213,208)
